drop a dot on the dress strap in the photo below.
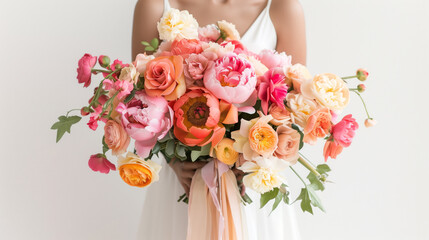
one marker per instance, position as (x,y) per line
(167,5)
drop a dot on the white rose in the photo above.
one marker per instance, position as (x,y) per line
(177,23)
(129,74)
(301,107)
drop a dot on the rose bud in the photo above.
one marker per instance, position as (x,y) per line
(362,74)
(361,88)
(370,122)
(104,61)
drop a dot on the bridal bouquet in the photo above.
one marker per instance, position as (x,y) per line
(203,96)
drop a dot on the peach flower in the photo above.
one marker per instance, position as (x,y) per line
(116,137)
(129,74)
(281,116)
(184,47)
(288,145)
(318,125)
(137,172)
(370,122)
(209,33)
(177,24)
(262,137)
(297,74)
(141,62)
(328,89)
(164,77)
(225,152)
(228,30)
(301,107)
(331,149)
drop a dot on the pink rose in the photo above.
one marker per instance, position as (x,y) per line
(231,78)
(209,33)
(116,137)
(288,145)
(331,149)
(195,66)
(85,65)
(184,47)
(318,125)
(272,59)
(344,131)
(272,88)
(99,163)
(146,119)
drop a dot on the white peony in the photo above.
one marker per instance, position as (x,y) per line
(264,173)
(179,24)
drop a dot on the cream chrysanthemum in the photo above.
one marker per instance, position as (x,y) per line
(177,24)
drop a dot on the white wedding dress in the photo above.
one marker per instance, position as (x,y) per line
(163,218)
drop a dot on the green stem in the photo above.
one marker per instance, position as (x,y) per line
(309,167)
(349,77)
(100,87)
(71,111)
(364,105)
(300,178)
(100,70)
(302,155)
(109,102)
(353,89)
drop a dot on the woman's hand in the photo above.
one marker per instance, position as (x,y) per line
(185,171)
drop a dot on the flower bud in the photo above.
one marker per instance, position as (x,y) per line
(361,88)
(104,61)
(370,122)
(84,111)
(362,74)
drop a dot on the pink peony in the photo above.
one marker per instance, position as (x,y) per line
(344,131)
(272,59)
(331,149)
(209,33)
(85,65)
(184,47)
(146,119)
(231,78)
(99,163)
(272,88)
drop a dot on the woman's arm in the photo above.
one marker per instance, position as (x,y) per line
(288,19)
(146,15)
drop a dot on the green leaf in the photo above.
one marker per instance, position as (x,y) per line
(105,147)
(205,150)
(315,182)
(286,198)
(315,200)
(323,168)
(149,48)
(195,155)
(266,197)
(169,149)
(156,148)
(247,199)
(64,125)
(278,199)
(131,95)
(145,43)
(166,137)
(154,43)
(180,152)
(305,201)
(301,142)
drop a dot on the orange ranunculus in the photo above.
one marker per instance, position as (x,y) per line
(164,77)
(225,152)
(262,137)
(318,125)
(137,172)
(116,137)
(199,117)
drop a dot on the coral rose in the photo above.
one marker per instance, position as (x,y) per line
(199,118)
(288,145)
(318,125)
(99,163)
(231,78)
(331,149)
(177,24)
(344,131)
(116,137)
(328,89)
(146,119)
(262,137)
(164,77)
(137,172)
(184,47)
(225,152)
(85,65)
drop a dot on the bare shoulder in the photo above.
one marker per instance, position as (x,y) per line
(146,15)
(289,21)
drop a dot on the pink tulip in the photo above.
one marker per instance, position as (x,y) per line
(99,163)
(85,65)
(344,131)
(146,119)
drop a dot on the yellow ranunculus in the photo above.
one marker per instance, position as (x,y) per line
(137,172)
(225,152)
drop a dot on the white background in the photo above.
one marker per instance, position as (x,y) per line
(47,190)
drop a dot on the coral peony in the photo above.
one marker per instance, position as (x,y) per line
(164,77)
(146,119)
(85,65)
(99,163)
(199,118)
(344,131)
(137,172)
(231,78)
(184,47)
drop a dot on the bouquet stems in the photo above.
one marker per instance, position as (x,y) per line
(310,168)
